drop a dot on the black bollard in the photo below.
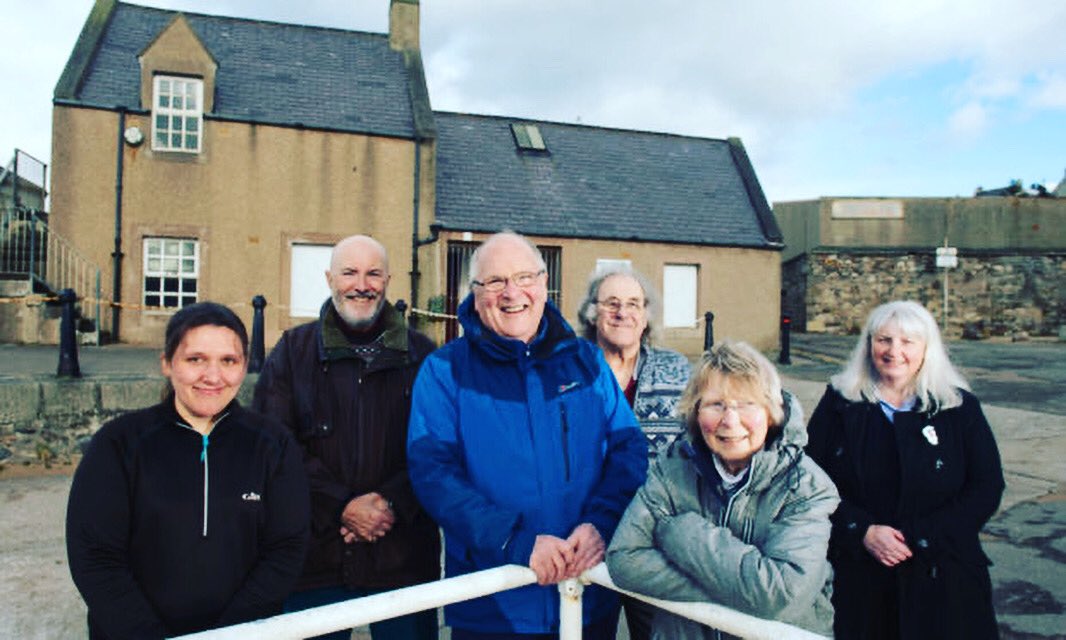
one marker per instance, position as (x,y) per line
(401,306)
(257,352)
(708,331)
(68,337)
(785,356)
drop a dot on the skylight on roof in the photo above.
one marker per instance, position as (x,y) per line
(527,137)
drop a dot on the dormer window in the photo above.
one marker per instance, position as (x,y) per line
(177,114)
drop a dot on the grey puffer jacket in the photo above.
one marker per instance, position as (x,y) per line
(760,549)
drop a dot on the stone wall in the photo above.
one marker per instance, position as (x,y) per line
(49,421)
(989,293)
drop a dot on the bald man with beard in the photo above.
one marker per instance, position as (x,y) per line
(342,384)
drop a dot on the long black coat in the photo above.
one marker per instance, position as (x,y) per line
(351,420)
(951,482)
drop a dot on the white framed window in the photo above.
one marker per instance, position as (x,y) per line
(680,295)
(177,114)
(171,272)
(307,279)
(602,264)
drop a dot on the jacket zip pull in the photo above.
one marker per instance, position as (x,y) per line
(566,438)
(203,459)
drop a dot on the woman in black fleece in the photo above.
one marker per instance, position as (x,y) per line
(191,514)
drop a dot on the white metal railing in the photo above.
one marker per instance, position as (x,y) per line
(361,611)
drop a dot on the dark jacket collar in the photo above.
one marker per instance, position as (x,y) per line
(168,412)
(553,334)
(333,345)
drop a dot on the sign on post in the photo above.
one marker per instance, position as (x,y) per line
(947,257)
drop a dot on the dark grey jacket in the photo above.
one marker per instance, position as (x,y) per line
(761,550)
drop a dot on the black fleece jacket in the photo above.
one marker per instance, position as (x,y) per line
(170,533)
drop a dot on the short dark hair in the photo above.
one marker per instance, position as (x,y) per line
(199,315)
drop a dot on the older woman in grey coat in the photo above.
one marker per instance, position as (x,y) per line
(734,513)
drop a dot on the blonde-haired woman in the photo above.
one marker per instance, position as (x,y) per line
(733,512)
(919,474)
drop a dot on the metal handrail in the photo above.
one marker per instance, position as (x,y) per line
(30,248)
(382,606)
(714,615)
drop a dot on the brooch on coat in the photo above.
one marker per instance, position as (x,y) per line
(930,434)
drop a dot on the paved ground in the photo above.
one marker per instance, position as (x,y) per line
(1022,385)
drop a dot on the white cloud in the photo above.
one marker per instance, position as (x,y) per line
(770,72)
(1050,92)
(968,122)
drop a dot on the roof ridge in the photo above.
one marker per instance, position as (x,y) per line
(277,23)
(579,125)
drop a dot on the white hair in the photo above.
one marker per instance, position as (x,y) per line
(588,312)
(475,258)
(937,383)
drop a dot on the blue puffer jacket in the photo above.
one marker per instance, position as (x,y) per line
(508,441)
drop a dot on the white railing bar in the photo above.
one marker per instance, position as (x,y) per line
(382,606)
(361,611)
(714,615)
(570,621)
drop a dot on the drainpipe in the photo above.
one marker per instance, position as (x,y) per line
(116,255)
(415,244)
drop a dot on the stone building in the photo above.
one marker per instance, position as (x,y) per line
(687,212)
(844,256)
(205,157)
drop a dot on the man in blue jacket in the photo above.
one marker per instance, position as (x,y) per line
(522,446)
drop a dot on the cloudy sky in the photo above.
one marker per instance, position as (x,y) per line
(831,97)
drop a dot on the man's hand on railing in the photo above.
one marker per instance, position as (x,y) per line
(554,559)
(589,548)
(551,559)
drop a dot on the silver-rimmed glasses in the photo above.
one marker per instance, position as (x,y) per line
(614,305)
(718,408)
(523,279)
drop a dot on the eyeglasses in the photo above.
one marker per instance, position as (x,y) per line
(745,409)
(614,305)
(523,279)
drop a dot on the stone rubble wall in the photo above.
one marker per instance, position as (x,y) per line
(49,421)
(989,294)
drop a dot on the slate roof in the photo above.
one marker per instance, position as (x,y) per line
(599,183)
(270,73)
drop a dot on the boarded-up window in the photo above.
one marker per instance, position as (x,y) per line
(602,264)
(680,295)
(307,281)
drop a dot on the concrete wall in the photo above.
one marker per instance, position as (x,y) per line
(252,192)
(740,286)
(994,223)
